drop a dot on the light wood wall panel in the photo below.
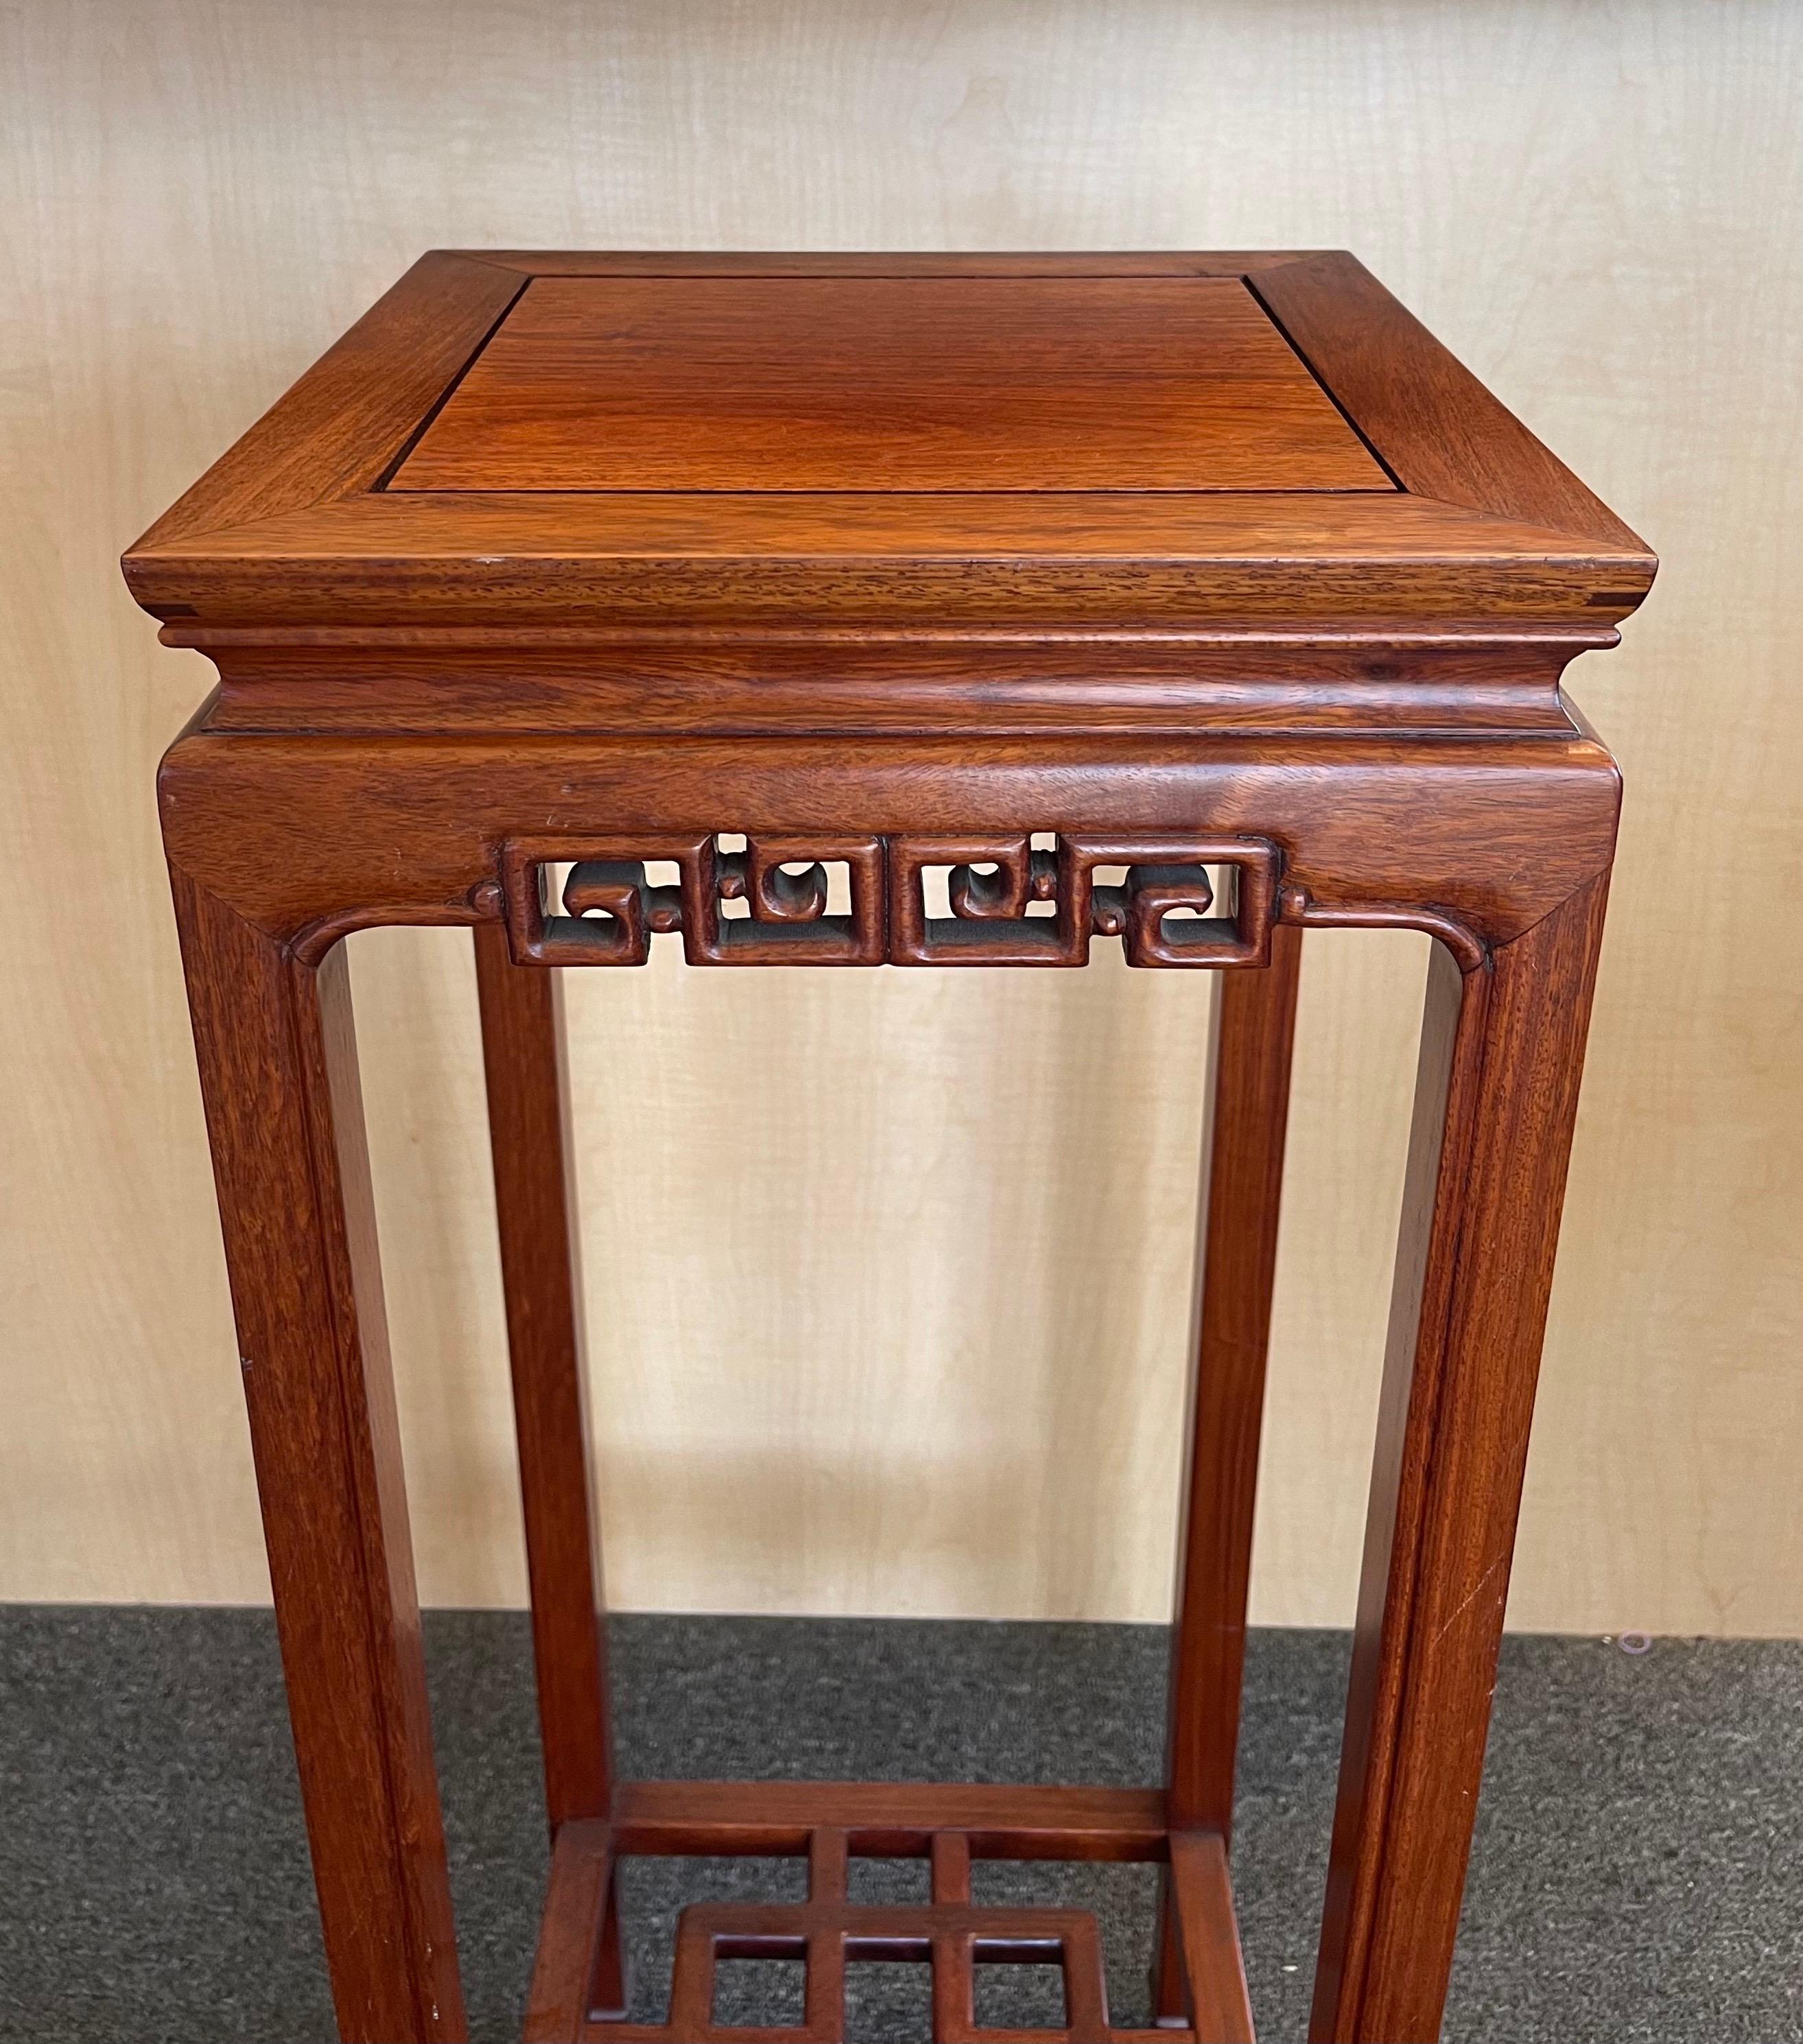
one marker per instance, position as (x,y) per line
(889,1271)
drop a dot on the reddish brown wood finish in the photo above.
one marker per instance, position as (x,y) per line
(293,528)
(827,581)
(522,1037)
(1253,1035)
(278,1072)
(578,1900)
(529,1115)
(828,1822)
(890,1819)
(1254,1029)
(1496,1099)
(888,383)
(1492,837)
(1208,1937)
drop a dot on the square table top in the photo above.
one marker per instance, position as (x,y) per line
(1234,441)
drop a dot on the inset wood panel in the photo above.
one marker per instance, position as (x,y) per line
(888,383)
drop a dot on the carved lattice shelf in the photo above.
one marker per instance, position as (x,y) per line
(578,1994)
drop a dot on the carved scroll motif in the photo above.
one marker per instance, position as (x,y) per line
(1011,902)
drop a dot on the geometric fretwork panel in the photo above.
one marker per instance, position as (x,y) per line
(580,1995)
(950,1934)
(1006,899)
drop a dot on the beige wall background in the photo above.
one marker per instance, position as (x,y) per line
(889,1271)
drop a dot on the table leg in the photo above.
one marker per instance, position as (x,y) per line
(1501,1054)
(524,1059)
(1250,1054)
(278,1073)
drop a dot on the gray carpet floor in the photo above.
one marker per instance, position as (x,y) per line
(1638,1872)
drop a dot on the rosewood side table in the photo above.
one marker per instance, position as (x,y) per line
(925,611)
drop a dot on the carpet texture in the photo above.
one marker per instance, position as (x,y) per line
(1638,1876)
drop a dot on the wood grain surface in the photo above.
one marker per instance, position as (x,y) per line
(888,383)
(824,450)
(527,1075)
(279,1067)
(1213,852)
(204,198)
